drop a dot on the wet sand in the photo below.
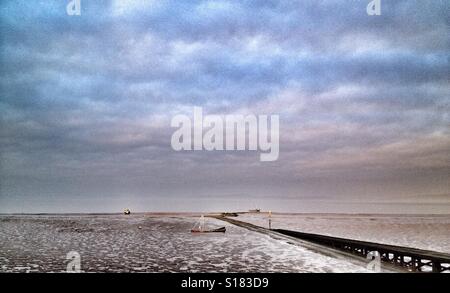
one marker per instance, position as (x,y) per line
(150,243)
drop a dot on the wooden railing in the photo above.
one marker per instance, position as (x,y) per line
(416,260)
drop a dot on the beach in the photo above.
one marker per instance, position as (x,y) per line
(152,243)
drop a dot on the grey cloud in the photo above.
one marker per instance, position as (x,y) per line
(91,97)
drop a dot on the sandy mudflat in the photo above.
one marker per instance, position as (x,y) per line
(114,243)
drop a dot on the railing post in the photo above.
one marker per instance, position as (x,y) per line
(436,267)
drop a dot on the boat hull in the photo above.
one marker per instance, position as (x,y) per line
(218,230)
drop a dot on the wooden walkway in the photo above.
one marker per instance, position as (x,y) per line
(412,259)
(415,260)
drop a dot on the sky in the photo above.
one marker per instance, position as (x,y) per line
(86,103)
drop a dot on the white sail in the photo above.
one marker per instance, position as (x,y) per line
(200,224)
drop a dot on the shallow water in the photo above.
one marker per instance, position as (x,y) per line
(142,243)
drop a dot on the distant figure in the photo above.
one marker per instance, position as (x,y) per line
(270,220)
(126,211)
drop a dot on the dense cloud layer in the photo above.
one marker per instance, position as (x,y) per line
(86,102)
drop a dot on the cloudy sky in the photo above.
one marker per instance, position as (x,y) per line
(86,103)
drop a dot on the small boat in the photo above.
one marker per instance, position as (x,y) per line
(221,229)
(126,211)
(199,227)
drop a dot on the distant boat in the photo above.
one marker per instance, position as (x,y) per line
(126,211)
(199,227)
(255,211)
